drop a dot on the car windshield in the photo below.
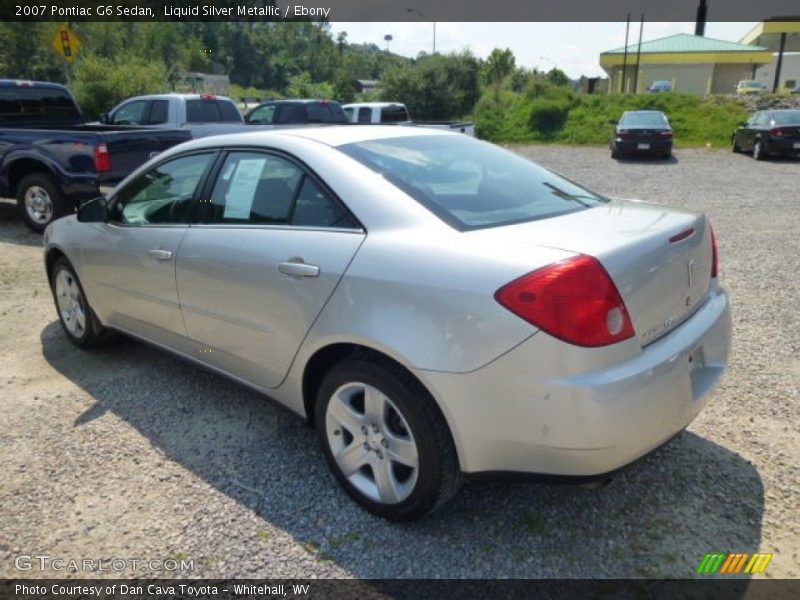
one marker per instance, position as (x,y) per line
(471,184)
(789,117)
(647,119)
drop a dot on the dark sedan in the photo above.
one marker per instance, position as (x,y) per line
(767,133)
(296,112)
(642,132)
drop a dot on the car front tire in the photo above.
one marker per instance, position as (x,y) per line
(40,201)
(385,440)
(77,318)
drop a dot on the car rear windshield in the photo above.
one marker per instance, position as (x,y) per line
(471,184)
(789,117)
(212,111)
(37,105)
(644,120)
(325,112)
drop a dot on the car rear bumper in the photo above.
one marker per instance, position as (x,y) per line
(550,408)
(781,144)
(634,146)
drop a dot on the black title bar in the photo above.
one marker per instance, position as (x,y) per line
(393,10)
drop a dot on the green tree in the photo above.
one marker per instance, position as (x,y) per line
(557,77)
(499,65)
(99,83)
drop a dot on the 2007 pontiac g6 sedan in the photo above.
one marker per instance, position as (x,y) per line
(435,305)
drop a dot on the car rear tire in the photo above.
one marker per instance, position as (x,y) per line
(758,151)
(735,147)
(614,152)
(385,440)
(77,317)
(40,201)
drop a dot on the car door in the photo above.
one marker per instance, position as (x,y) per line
(269,248)
(130,260)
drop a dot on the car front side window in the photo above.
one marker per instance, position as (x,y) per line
(131,113)
(163,194)
(263,114)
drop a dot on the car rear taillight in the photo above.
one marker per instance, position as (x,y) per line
(714,254)
(574,300)
(102,159)
(207,97)
(776,132)
(666,134)
(623,134)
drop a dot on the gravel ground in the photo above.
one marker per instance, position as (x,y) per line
(127,452)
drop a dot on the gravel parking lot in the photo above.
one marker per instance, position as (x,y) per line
(127,452)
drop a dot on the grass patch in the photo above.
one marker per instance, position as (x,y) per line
(508,117)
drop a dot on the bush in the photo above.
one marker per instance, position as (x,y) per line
(99,83)
(547,117)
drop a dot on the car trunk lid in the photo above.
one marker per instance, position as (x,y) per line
(660,259)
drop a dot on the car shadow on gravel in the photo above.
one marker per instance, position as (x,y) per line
(657,519)
(12,229)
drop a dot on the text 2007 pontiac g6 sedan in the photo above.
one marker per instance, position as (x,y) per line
(434,305)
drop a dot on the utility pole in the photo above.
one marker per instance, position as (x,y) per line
(638,57)
(625,55)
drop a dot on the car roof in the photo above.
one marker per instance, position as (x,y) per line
(175,95)
(330,135)
(28,83)
(299,101)
(374,104)
(643,112)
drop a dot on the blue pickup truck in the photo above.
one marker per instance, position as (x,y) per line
(51,160)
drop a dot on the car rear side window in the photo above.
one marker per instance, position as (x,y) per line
(211,111)
(365,114)
(263,189)
(292,113)
(471,184)
(158,112)
(325,112)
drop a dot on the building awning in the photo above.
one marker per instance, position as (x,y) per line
(768,34)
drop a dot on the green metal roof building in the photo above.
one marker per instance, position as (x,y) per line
(693,64)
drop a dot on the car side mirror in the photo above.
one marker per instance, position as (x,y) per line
(742,123)
(104,118)
(94,211)
(612,122)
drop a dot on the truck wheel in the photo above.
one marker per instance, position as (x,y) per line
(41,201)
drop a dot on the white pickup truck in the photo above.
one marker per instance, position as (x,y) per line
(396,113)
(201,114)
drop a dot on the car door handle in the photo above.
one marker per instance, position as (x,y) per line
(298,269)
(158,254)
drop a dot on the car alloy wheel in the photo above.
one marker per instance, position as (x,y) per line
(71,305)
(372,443)
(38,205)
(758,151)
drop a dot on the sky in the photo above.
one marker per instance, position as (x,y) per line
(572,47)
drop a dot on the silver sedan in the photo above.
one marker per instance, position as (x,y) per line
(435,305)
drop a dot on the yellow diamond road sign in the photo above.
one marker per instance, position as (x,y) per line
(66,43)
